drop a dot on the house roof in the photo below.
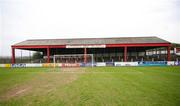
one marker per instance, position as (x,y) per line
(84,41)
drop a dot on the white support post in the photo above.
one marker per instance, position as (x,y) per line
(92,60)
(54,59)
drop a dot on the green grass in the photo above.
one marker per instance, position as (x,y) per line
(110,86)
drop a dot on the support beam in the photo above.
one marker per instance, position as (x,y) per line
(13,55)
(168,53)
(85,57)
(48,55)
(125,53)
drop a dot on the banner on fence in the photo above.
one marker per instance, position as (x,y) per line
(170,63)
(34,65)
(100,64)
(18,65)
(126,63)
(1,65)
(70,64)
(48,65)
(5,65)
(152,63)
(8,65)
(87,64)
(109,63)
(177,63)
(52,65)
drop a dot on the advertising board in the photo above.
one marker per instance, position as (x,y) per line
(34,65)
(177,63)
(152,63)
(18,65)
(2,65)
(109,63)
(70,64)
(48,64)
(100,64)
(126,63)
(170,63)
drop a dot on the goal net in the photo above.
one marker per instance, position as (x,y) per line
(74,59)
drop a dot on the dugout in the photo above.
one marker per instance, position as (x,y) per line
(104,49)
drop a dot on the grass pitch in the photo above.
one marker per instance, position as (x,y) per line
(97,86)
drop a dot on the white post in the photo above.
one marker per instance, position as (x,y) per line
(54,59)
(92,60)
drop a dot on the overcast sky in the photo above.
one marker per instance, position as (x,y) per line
(36,19)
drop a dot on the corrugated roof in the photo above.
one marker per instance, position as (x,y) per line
(116,40)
